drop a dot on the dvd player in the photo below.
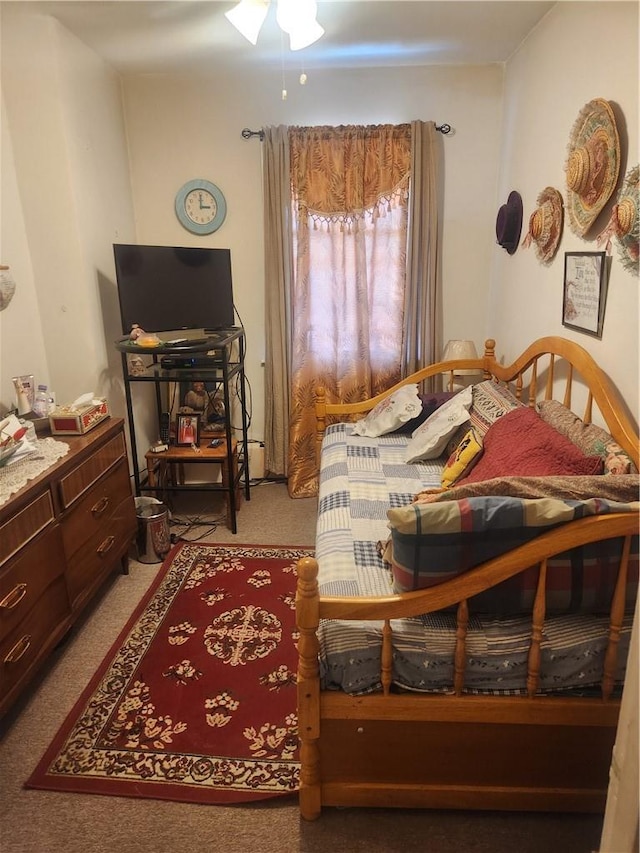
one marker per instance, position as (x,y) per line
(175,362)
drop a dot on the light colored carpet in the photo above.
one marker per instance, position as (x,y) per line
(49,822)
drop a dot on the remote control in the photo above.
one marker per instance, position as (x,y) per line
(165,420)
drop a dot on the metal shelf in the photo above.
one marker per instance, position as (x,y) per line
(222,367)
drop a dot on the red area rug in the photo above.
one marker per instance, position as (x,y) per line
(196,700)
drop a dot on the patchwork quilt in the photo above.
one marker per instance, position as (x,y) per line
(363,478)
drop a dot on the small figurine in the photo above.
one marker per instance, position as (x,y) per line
(136,365)
(135,332)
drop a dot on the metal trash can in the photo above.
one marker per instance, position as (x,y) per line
(153,541)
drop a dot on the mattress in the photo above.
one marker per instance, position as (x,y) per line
(360,479)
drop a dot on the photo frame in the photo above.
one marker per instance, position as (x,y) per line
(583,295)
(187,430)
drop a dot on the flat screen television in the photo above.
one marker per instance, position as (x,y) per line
(163,288)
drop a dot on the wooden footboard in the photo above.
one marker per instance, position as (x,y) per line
(456,751)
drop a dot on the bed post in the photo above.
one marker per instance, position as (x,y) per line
(307,618)
(490,353)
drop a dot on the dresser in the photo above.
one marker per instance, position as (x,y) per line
(61,536)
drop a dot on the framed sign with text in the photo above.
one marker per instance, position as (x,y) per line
(583,299)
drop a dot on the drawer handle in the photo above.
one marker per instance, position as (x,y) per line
(14,597)
(106,545)
(20,649)
(100,507)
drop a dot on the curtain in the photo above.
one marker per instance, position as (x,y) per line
(278,266)
(422,343)
(352,267)
(350,210)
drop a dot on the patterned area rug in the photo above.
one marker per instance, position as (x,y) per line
(196,701)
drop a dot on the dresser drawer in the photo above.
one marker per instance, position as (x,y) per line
(93,512)
(88,472)
(22,527)
(29,643)
(24,580)
(93,561)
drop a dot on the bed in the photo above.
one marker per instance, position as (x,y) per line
(486,685)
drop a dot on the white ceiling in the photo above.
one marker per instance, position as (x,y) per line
(156,36)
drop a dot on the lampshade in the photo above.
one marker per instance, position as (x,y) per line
(457,349)
(248,17)
(305,35)
(298,19)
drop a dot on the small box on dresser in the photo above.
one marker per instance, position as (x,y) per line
(68,420)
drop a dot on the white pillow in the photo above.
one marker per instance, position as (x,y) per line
(430,439)
(390,413)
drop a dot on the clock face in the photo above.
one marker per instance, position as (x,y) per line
(200,206)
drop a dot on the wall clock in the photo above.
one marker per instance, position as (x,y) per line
(200,206)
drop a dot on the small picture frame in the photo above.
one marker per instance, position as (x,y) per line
(583,298)
(187,430)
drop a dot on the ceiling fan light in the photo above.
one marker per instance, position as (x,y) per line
(298,19)
(305,35)
(248,17)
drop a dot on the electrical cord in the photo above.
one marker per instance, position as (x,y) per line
(190,523)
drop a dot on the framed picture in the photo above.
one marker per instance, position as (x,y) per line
(584,292)
(187,430)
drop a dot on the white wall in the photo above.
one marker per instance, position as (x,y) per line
(578,52)
(183,127)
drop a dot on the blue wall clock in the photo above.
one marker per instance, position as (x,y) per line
(200,206)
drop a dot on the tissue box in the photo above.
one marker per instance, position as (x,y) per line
(65,420)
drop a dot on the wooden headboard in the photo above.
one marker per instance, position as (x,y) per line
(550,368)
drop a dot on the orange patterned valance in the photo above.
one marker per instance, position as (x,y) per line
(340,174)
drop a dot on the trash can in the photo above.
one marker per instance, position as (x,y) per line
(153,540)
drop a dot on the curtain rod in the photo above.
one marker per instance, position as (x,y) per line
(247,134)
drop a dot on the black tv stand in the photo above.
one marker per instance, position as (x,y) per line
(217,359)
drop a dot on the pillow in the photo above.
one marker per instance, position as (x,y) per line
(521,444)
(462,459)
(591,439)
(430,439)
(430,402)
(389,413)
(434,542)
(490,402)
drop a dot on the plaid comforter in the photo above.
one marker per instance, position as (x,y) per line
(361,480)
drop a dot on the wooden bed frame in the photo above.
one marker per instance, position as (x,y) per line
(458,751)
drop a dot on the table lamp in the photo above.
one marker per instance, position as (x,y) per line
(457,350)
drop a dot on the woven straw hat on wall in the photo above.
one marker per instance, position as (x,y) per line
(593,164)
(545,225)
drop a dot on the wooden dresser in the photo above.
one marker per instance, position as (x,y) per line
(60,537)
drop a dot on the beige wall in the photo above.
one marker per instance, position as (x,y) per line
(65,197)
(578,52)
(181,128)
